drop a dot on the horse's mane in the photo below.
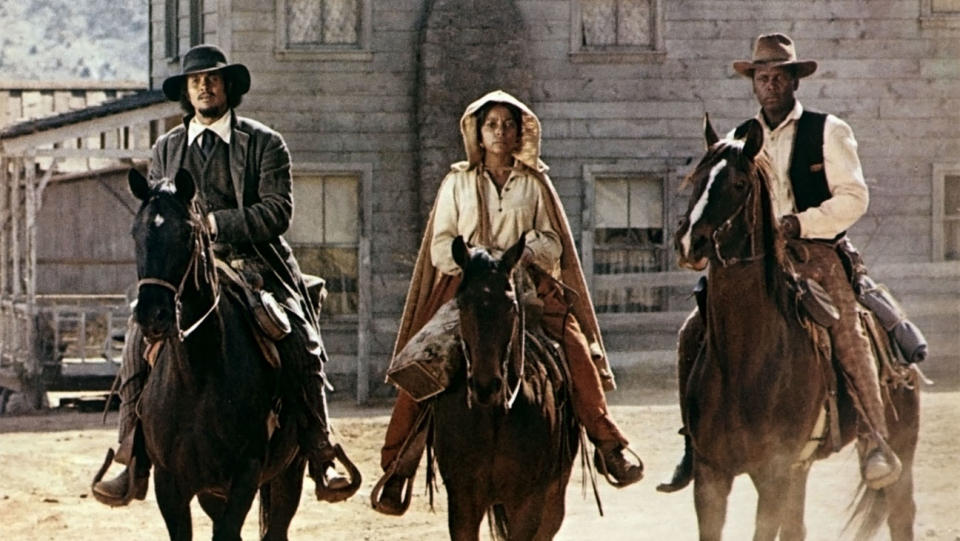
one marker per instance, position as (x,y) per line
(774,244)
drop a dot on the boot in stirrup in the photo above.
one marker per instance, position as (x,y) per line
(683,473)
(331,485)
(129,484)
(879,466)
(394,498)
(610,461)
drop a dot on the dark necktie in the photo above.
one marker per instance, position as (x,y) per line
(207,141)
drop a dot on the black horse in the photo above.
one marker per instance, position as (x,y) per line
(207,409)
(504,433)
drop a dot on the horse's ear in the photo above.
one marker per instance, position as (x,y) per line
(709,134)
(754,140)
(513,254)
(139,186)
(186,188)
(460,252)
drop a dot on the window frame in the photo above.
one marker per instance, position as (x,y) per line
(939,218)
(196,22)
(364,174)
(171,29)
(360,53)
(653,54)
(639,168)
(934,19)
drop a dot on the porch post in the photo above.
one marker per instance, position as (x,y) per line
(4,215)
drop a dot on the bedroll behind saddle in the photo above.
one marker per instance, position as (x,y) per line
(427,364)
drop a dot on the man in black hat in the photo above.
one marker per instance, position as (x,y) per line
(243,177)
(818,192)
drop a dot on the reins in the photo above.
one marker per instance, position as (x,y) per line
(518,334)
(754,255)
(194,265)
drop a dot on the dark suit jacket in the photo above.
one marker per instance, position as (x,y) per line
(260,172)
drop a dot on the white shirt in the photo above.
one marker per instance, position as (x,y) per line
(849,194)
(222,128)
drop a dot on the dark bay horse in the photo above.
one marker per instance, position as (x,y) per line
(207,402)
(504,432)
(756,395)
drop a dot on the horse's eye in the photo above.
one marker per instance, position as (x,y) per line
(740,186)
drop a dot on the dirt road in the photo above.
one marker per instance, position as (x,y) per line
(46,462)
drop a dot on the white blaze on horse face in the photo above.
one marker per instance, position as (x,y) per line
(167,185)
(698,209)
(157,220)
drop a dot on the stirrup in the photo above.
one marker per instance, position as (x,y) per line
(131,492)
(896,468)
(385,507)
(601,463)
(338,494)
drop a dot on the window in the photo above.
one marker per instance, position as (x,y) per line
(325,236)
(946,212)
(628,238)
(616,31)
(172,28)
(940,13)
(196,22)
(336,28)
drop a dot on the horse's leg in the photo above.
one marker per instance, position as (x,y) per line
(212,505)
(792,527)
(710,490)
(525,514)
(779,491)
(554,509)
(279,500)
(465,511)
(904,428)
(174,503)
(243,488)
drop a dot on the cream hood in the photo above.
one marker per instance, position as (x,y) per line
(529,151)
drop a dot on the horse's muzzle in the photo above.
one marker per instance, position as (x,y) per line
(155,324)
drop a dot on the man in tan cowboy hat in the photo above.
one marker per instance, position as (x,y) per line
(818,192)
(242,169)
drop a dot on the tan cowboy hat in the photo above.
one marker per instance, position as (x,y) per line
(202,58)
(775,50)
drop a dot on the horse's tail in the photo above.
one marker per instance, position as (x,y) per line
(497,518)
(869,512)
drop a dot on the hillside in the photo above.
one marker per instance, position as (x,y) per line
(49,40)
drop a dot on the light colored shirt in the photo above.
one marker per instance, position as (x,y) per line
(517,210)
(222,128)
(849,194)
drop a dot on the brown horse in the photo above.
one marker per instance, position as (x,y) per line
(504,432)
(756,394)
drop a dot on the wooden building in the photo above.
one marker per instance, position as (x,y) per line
(368,93)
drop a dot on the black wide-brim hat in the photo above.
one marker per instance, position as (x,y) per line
(201,58)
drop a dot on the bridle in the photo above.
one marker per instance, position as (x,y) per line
(722,229)
(516,335)
(197,263)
